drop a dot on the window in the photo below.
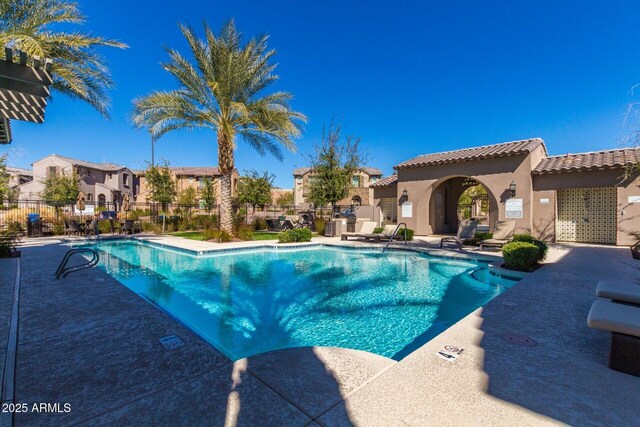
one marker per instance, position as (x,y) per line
(355,180)
(356,201)
(202,181)
(125,179)
(190,180)
(52,171)
(109,175)
(89,197)
(374,179)
(102,200)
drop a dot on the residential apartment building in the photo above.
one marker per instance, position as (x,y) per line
(18,176)
(187,177)
(103,183)
(360,193)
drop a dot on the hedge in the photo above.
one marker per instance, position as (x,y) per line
(296,235)
(521,256)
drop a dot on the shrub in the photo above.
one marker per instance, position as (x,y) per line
(293,236)
(245,232)
(542,246)
(378,230)
(319,225)
(259,224)
(8,242)
(211,235)
(521,256)
(408,233)
(224,236)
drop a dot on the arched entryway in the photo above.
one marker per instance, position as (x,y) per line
(460,197)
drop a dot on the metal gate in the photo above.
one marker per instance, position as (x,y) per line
(586,215)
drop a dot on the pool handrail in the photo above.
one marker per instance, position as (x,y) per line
(63,270)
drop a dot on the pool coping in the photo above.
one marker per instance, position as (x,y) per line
(349,245)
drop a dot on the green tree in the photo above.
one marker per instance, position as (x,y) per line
(285,200)
(186,199)
(333,164)
(162,188)
(77,70)
(223,89)
(5,191)
(255,189)
(208,195)
(61,189)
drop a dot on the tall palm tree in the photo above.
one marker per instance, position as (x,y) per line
(77,70)
(223,89)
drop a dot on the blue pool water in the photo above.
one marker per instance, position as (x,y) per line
(249,302)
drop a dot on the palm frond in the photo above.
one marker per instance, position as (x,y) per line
(78,70)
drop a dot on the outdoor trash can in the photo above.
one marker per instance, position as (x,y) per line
(34,225)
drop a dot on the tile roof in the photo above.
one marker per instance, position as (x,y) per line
(195,170)
(608,159)
(368,170)
(100,166)
(512,148)
(19,171)
(385,181)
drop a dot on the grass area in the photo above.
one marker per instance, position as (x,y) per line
(199,235)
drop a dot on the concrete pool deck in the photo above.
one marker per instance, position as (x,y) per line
(89,341)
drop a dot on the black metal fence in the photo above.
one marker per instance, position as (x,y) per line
(150,216)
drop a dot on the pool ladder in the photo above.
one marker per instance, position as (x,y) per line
(63,270)
(394,234)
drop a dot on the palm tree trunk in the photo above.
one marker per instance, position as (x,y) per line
(225,163)
(226,221)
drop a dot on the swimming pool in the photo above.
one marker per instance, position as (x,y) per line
(249,302)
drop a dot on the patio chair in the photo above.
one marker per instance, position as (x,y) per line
(466,230)
(623,321)
(366,232)
(619,292)
(502,234)
(71,226)
(127,227)
(92,228)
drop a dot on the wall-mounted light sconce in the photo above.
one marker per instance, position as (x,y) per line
(405,193)
(512,188)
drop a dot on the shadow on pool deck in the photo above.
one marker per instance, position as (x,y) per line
(565,375)
(89,341)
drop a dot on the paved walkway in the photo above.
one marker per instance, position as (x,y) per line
(89,341)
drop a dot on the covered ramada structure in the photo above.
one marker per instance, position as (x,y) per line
(586,197)
(24,89)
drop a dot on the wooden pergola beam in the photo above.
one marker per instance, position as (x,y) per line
(20,98)
(23,108)
(5,131)
(25,74)
(16,115)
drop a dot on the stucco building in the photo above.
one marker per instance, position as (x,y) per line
(103,183)
(187,177)
(360,194)
(584,197)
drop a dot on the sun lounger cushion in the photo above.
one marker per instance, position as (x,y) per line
(619,291)
(620,318)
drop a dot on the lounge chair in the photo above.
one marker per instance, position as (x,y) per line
(287,224)
(623,321)
(366,232)
(623,293)
(502,234)
(466,230)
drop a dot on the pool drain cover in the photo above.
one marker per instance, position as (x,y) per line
(519,340)
(171,342)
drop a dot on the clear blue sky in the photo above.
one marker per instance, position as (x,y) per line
(407,77)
